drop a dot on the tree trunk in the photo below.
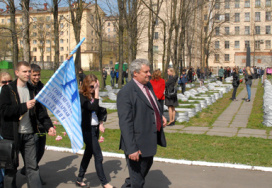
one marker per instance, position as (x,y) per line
(56,34)
(15,50)
(121,41)
(25,32)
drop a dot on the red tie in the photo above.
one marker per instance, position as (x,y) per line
(158,117)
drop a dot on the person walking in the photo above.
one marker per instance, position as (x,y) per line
(248,81)
(221,74)
(182,81)
(105,74)
(141,123)
(171,101)
(19,116)
(5,79)
(40,138)
(158,85)
(112,75)
(93,117)
(235,83)
(81,76)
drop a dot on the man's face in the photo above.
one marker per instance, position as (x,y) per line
(143,75)
(23,73)
(35,77)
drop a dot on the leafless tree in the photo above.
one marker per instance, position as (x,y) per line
(25,20)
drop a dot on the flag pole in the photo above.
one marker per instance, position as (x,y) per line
(75,49)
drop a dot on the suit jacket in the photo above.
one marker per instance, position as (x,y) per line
(137,121)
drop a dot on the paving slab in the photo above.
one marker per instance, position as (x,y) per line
(219,123)
(195,130)
(211,133)
(223,129)
(252,135)
(252,131)
(238,124)
(243,117)
(225,118)
(175,127)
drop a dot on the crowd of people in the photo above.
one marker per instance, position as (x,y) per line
(140,110)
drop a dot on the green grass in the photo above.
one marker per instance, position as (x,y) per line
(207,116)
(107,100)
(189,106)
(249,151)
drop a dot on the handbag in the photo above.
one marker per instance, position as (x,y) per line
(7,154)
(171,94)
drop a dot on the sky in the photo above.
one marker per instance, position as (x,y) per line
(104,4)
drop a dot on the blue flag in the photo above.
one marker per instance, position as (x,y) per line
(60,95)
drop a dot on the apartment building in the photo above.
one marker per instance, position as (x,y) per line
(239,24)
(42,35)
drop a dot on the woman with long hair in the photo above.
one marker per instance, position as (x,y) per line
(158,85)
(172,101)
(92,123)
(248,81)
(235,83)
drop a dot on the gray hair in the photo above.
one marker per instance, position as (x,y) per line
(136,65)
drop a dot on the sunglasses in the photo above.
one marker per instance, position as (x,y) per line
(91,86)
(5,82)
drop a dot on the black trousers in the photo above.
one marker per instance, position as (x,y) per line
(183,87)
(138,171)
(162,104)
(28,150)
(92,148)
(234,93)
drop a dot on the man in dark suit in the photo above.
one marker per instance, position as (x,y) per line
(141,123)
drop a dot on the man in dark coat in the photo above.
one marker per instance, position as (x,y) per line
(141,123)
(19,114)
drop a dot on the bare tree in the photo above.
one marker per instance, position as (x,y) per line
(25,20)
(121,7)
(56,33)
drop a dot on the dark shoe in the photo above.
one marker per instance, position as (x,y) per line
(81,184)
(247,100)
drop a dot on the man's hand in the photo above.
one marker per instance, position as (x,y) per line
(164,121)
(30,104)
(101,127)
(52,131)
(135,156)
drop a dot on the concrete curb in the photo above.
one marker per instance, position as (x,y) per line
(173,161)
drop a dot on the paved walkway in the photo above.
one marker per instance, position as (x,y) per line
(232,122)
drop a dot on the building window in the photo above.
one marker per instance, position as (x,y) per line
(61,48)
(257,30)
(48,18)
(247,30)
(216,57)
(247,16)
(227,30)
(47,41)
(217,4)
(205,29)
(227,4)
(108,23)
(247,3)
(21,19)
(268,3)
(34,49)
(61,58)
(108,29)
(217,17)
(61,41)
(156,35)
(8,21)
(47,26)
(205,17)
(34,34)
(217,31)
(237,30)
(226,44)
(257,16)
(257,44)
(268,44)
(34,19)
(157,22)
(237,17)
(216,44)
(155,48)
(48,49)
(237,44)
(47,58)
(268,29)
(257,3)
(247,44)
(3,21)
(34,58)
(227,17)
(268,16)
(34,41)
(21,42)
(226,57)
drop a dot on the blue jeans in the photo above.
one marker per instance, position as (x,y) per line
(248,86)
